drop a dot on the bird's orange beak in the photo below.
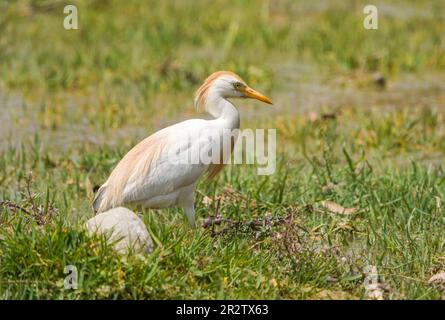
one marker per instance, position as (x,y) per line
(250,93)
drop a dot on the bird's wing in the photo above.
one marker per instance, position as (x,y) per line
(147,170)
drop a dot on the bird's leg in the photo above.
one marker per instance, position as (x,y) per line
(187,202)
(190,213)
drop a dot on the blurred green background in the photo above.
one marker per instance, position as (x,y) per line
(135,65)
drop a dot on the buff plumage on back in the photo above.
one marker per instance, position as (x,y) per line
(203,90)
(136,164)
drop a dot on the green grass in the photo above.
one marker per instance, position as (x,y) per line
(76,101)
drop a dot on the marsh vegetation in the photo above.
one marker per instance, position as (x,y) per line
(360,126)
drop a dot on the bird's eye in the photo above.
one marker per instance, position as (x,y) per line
(237,85)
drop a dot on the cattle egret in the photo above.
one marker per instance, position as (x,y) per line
(146,176)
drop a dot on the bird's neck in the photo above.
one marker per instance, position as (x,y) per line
(222,109)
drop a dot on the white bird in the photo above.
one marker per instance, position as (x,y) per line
(147,176)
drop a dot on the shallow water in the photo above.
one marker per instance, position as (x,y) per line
(299,91)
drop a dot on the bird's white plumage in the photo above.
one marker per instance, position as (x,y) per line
(165,181)
(147,175)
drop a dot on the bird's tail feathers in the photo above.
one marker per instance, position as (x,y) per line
(99,198)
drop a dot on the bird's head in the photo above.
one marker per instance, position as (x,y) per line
(226,84)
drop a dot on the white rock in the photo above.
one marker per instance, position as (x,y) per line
(123,228)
